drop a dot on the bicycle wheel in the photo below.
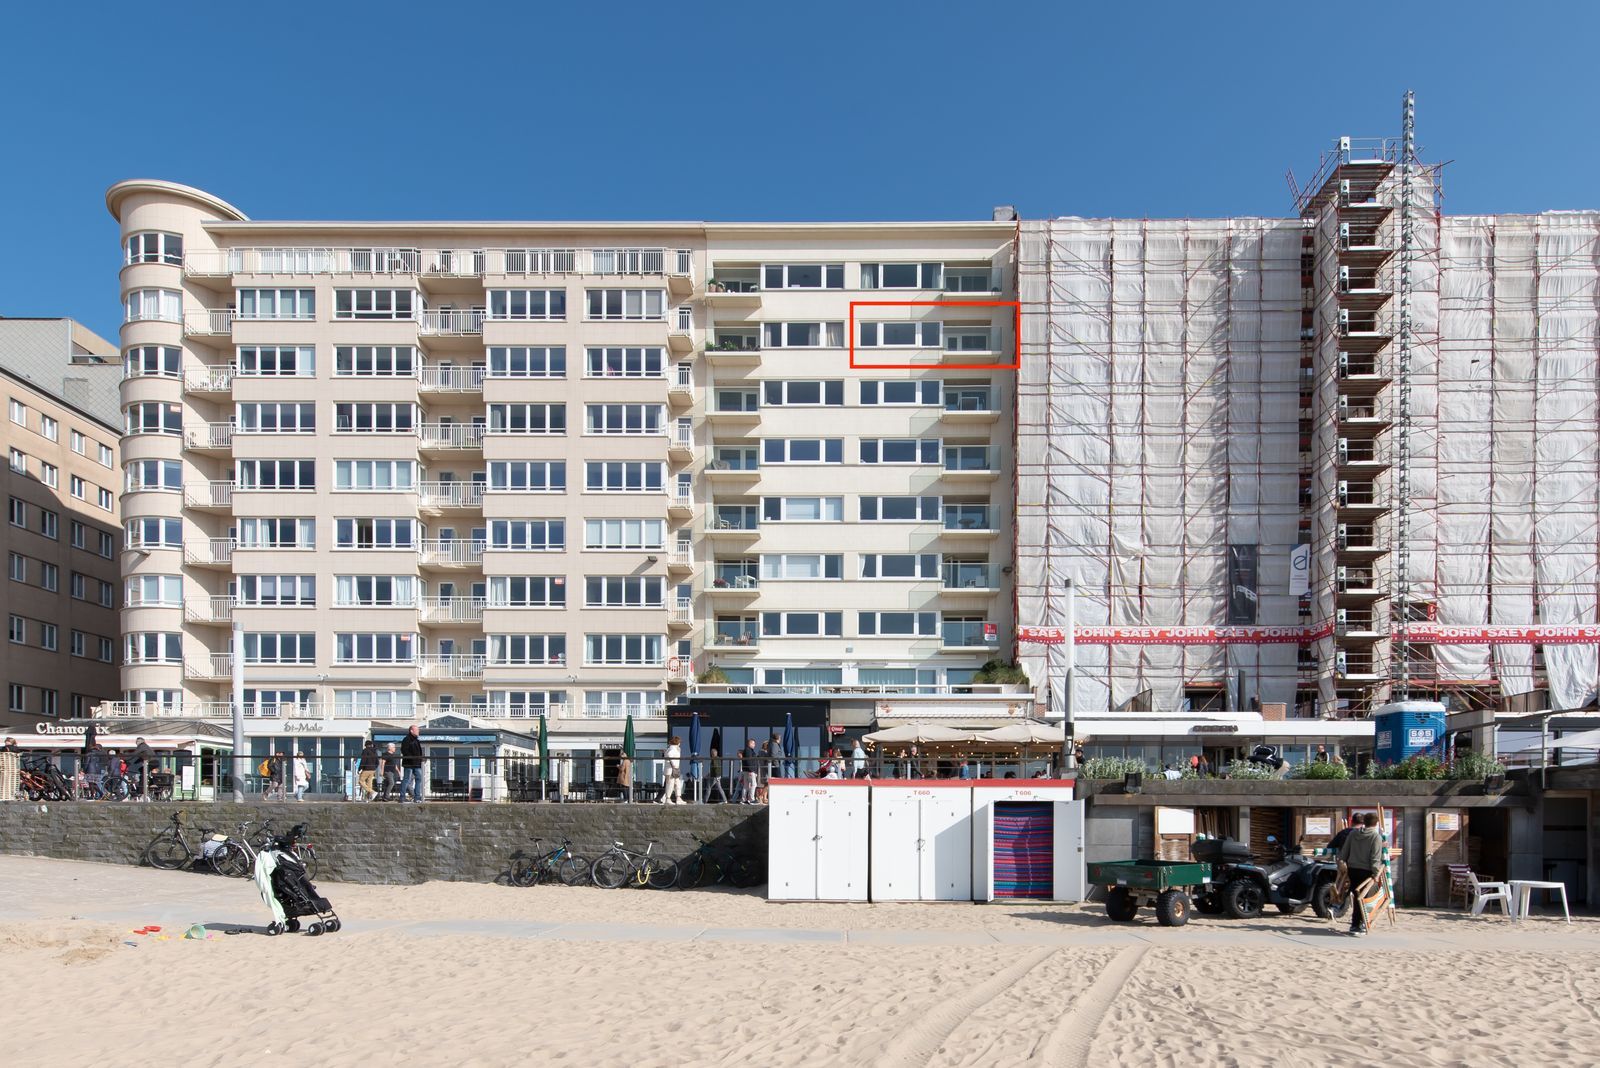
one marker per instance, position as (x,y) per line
(525,872)
(308,858)
(166,853)
(660,873)
(117,788)
(691,872)
(231,860)
(573,870)
(743,873)
(610,871)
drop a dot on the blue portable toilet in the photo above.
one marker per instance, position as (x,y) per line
(1403,729)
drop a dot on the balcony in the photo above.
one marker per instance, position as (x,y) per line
(620,710)
(680,330)
(961,635)
(680,615)
(680,390)
(736,581)
(207,379)
(450,322)
(208,323)
(735,407)
(217,610)
(213,552)
(970,579)
(213,668)
(444,264)
(451,378)
(734,465)
(450,666)
(971,462)
(734,287)
(209,496)
(680,560)
(734,348)
(733,524)
(681,504)
(968,521)
(450,437)
(451,553)
(509,710)
(680,441)
(740,637)
(970,406)
(209,437)
(452,611)
(450,496)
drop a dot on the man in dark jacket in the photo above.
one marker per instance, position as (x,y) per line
(1362,856)
(367,770)
(411,765)
(144,760)
(750,763)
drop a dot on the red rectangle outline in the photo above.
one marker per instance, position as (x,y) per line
(1016,315)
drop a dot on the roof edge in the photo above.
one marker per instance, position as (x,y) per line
(122,190)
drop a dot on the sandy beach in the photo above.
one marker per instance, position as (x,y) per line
(492,975)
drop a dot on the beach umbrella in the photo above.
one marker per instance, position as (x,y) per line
(694,745)
(544,748)
(627,738)
(1023,734)
(716,740)
(791,739)
(918,734)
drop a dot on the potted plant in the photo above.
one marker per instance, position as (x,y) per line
(713,676)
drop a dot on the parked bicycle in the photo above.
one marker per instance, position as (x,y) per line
(709,865)
(172,848)
(619,865)
(43,781)
(238,857)
(559,863)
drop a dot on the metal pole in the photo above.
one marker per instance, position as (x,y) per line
(1069,759)
(240,760)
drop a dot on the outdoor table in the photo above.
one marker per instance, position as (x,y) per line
(1522,894)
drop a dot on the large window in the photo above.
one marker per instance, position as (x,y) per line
(617,704)
(528,535)
(639,362)
(899,509)
(629,304)
(277,532)
(528,304)
(907,392)
(153,417)
(527,418)
(152,475)
(624,476)
(269,648)
(376,475)
(528,591)
(153,648)
(523,361)
(802,335)
(900,450)
(143,361)
(375,533)
(278,361)
(641,534)
(374,704)
(623,650)
(899,565)
(379,304)
(277,474)
(780,567)
(155,247)
(155,532)
(370,417)
(901,335)
(144,591)
(802,394)
(623,418)
(802,276)
(902,276)
(527,650)
(276,418)
(802,509)
(163,304)
(375,361)
(528,476)
(377,648)
(374,591)
(802,624)
(521,704)
(898,624)
(802,450)
(278,591)
(624,591)
(277,304)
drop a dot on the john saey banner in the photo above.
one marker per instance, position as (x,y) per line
(1426,633)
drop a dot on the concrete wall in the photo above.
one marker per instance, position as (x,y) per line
(387,843)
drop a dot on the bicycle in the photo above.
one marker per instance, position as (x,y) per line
(706,866)
(561,863)
(170,849)
(238,857)
(619,864)
(43,781)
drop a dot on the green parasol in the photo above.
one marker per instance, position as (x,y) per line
(544,748)
(627,738)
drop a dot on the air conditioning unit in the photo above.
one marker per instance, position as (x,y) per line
(1342,577)
(1344,535)
(1344,192)
(1344,407)
(1344,235)
(1341,621)
(1340,663)
(1344,359)
(1343,492)
(1344,279)
(1344,322)
(1344,450)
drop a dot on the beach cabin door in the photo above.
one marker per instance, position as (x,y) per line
(817,843)
(921,844)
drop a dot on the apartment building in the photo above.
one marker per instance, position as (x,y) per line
(580,471)
(61,534)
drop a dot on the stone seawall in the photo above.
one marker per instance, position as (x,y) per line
(388,843)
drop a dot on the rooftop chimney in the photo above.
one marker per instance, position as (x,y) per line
(1005,213)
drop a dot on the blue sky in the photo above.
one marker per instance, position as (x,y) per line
(756,111)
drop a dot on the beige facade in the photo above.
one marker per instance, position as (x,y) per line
(61,537)
(517,469)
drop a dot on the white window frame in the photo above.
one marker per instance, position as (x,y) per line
(825,505)
(624,535)
(624,650)
(519,418)
(624,419)
(550,363)
(375,304)
(786,567)
(625,361)
(376,361)
(519,591)
(633,305)
(624,476)
(275,417)
(517,535)
(874,392)
(280,304)
(784,621)
(277,591)
(276,361)
(625,591)
(534,476)
(299,469)
(527,305)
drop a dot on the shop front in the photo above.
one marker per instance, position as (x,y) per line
(194,751)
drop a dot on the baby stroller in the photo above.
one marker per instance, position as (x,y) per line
(286,889)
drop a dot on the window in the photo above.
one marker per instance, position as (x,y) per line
(521,361)
(527,418)
(276,533)
(80,643)
(19,512)
(628,534)
(528,535)
(47,636)
(78,586)
(19,568)
(802,624)
(927,392)
(375,475)
(49,576)
(49,524)
(50,475)
(802,276)
(898,624)
(623,649)
(899,565)
(385,304)
(780,567)
(530,650)
(375,533)
(103,647)
(624,591)
(270,648)
(278,591)
(140,475)
(107,544)
(153,417)
(19,461)
(519,704)
(616,704)
(971,280)
(528,304)
(802,450)
(375,361)
(277,361)
(802,335)
(902,276)
(47,700)
(926,335)
(899,509)
(626,363)
(80,444)
(624,476)
(803,393)
(372,704)
(49,427)
(155,247)
(528,591)
(900,450)
(375,418)
(163,304)
(629,304)
(143,361)
(106,594)
(19,413)
(276,475)
(374,648)
(14,698)
(105,456)
(155,647)
(277,304)
(375,591)
(104,498)
(802,509)
(154,532)
(18,631)
(623,418)
(143,591)
(528,476)
(276,418)
(962,338)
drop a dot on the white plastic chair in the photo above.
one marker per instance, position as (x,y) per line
(1485,892)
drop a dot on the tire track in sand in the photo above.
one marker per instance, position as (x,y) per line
(916,1045)
(1068,1045)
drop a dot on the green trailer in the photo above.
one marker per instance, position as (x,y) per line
(1169,885)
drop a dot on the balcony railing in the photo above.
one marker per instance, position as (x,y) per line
(454,263)
(215,666)
(451,666)
(960,458)
(735,577)
(739,635)
(451,435)
(724,521)
(450,494)
(450,321)
(211,551)
(209,495)
(519,710)
(208,379)
(682,437)
(968,400)
(209,610)
(960,576)
(681,556)
(201,323)
(818,689)
(452,378)
(967,518)
(621,710)
(209,436)
(683,379)
(681,612)
(968,635)
(452,609)
(463,552)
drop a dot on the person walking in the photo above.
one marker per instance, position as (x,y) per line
(779,768)
(672,781)
(302,776)
(389,772)
(751,764)
(367,770)
(411,767)
(625,776)
(144,759)
(278,780)
(714,786)
(94,765)
(858,760)
(1362,856)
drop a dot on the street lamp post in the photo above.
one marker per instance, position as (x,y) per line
(1069,759)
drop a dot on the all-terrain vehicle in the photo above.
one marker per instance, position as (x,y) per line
(1244,887)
